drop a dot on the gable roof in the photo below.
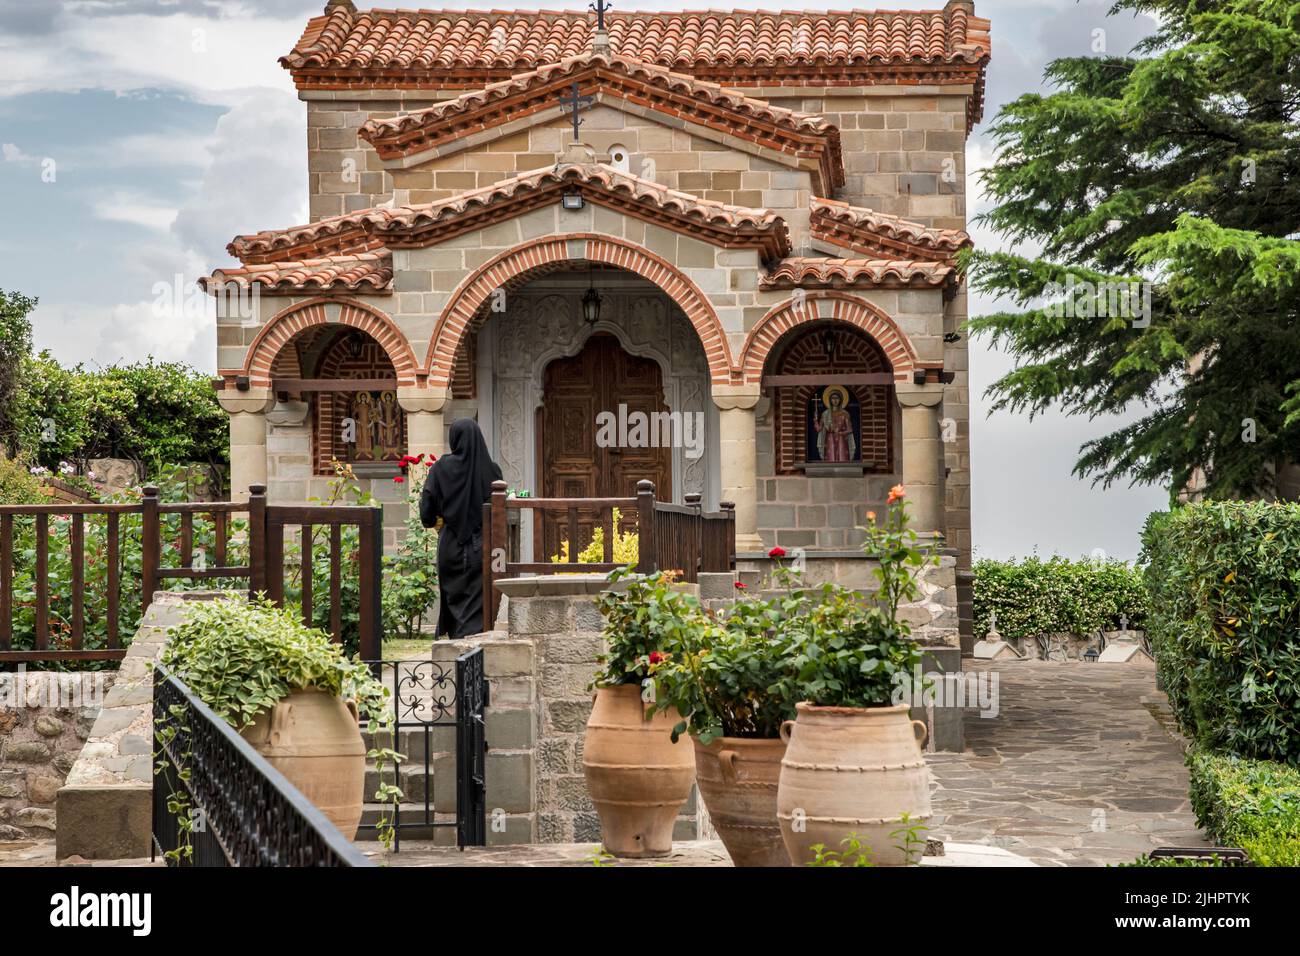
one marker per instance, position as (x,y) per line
(803,136)
(808,272)
(465,49)
(879,235)
(377,230)
(366,272)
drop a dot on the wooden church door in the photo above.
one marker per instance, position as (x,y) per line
(572,464)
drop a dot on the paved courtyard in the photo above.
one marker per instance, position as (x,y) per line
(1075,770)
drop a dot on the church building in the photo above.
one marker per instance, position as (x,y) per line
(713,249)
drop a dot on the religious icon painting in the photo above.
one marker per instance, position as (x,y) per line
(834,426)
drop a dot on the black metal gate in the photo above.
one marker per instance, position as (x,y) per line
(438,717)
(471,750)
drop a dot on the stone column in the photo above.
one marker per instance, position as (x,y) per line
(739,455)
(922,455)
(247,412)
(423,407)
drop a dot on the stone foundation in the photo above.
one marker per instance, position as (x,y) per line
(45,717)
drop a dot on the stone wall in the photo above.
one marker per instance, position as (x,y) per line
(105,805)
(45,717)
(554,640)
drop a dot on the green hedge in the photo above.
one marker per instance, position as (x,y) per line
(1224,583)
(1033,596)
(1253,804)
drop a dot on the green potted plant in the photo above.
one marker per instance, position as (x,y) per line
(638,777)
(290,692)
(853,767)
(725,680)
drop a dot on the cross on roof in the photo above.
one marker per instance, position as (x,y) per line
(600,6)
(573,102)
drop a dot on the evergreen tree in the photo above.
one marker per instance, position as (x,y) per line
(1176,169)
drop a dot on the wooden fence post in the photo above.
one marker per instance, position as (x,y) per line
(647,547)
(371,572)
(495,536)
(729,509)
(150,546)
(256,539)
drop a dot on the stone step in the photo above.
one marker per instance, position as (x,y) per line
(410,777)
(371,813)
(410,741)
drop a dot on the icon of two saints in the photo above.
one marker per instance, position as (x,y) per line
(378,420)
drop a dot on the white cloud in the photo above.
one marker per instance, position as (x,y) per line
(12,154)
(213,60)
(137,210)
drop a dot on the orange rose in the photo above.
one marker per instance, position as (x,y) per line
(896,493)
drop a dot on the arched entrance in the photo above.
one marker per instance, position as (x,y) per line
(600,429)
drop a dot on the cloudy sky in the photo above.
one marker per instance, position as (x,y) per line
(138,136)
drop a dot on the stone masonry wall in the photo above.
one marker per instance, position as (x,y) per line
(565,630)
(45,717)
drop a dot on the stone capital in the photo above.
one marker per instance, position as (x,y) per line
(736,396)
(910,395)
(412,398)
(255,401)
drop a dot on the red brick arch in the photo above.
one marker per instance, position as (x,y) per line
(518,265)
(845,308)
(287,323)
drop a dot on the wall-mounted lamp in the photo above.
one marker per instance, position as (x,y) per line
(572,201)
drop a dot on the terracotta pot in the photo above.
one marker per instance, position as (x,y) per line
(314,739)
(637,777)
(737,778)
(852,770)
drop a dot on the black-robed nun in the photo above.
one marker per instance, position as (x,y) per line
(457,486)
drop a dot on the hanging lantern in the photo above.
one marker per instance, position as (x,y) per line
(591,306)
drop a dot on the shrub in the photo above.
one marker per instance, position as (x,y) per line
(1225,607)
(1033,596)
(18,486)
(1253,804)
(624,550)
(243,657)
(151,412)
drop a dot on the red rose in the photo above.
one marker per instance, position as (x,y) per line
(741,585)
(656,657)
(777,552)
(399,479)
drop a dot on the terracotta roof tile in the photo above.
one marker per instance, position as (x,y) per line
(872,233)
(698,101)
(378,229)
(367,272)
(449,48)
(808,272)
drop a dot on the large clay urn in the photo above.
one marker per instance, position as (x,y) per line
(314,739)
(737,778)
(637,777)
(852,771)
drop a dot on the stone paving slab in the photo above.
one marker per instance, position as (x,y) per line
(1073,771)
(691,853)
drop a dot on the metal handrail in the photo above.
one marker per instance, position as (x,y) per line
(329,835)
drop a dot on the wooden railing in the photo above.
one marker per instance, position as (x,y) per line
(670,537)
(151,528)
